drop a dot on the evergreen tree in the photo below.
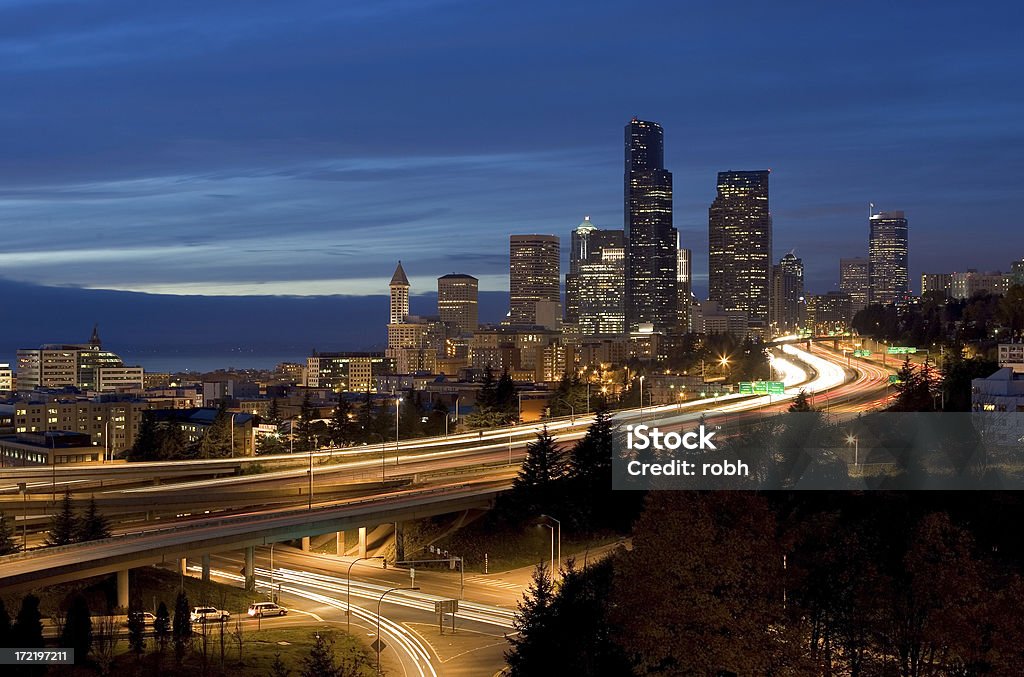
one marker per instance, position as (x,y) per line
(63,525)
(506,402)
(801,403)
(181,629)
(534,488)
(27,631)
(136,627)
(485,397)
(277,668)
(913,388)
(216,441)
(77,630)
(274,412)
(304,425)
(536,645)
(147,442)
(162,626)
(270,444)
(591,458)
(93,525)
(173,445)
(7,543)
(5,625)
(320,662)
(341,427)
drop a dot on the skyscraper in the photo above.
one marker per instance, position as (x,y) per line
(787,294)
(601,282)
(587,244)
(853,280)
(534,272)
(740,244)
(399,296)
(651,269)
(457,301)
(684,286)
(888,280)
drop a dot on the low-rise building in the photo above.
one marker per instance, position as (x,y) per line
(1003,391)
(54,447)
(1012,355)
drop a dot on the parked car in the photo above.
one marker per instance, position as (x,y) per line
(266,609)
(208,614)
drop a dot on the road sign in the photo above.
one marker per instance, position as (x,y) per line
(862,353)
(901,350)
(760,386)
(746,388)
(446,606)
(776,388)
(894,379)
(378,645)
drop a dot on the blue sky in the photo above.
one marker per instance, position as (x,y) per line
(228,148)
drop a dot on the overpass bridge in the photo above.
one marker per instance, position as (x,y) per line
(118,554)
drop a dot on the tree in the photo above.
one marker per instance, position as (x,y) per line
(341,426)
(913,388)
(162,626)
(277,668)
(7,543)
(320,661)
(303,427)
(1011,310)
(147,442)
(77,631)
(27,631)
(267,445)
(216,441)
(535,644)
(136,628)
(801,403)
(181,630)
(534,487)
(93,525)
(63,525)
(274,412)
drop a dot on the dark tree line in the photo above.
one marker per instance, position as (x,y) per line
(66,526)
(836,584)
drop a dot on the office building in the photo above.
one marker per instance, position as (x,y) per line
(937,283)
(787,295)
(853,281)
(458,302)
(534,280)
(684,285)
(829,313)
(399,287)
(888,280)
(651,267)
(1012,355)
(347,372)
(111,425)
(965,285)
(601,285)
(586,245)
(1017,272)
(6,377)
(740,244)
(86,366)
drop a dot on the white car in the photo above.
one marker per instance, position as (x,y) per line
(266,609)
(148,619)
(208,614)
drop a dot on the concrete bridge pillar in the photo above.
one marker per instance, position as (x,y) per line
(122,588)
(206,567)
(305,544)
(339,543)
(399,542)
(183,566)
(250,568)
(362,541)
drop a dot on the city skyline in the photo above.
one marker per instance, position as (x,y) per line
(226,181)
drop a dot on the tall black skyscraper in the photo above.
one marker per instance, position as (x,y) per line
(651,269)
(740,244)
(887,259)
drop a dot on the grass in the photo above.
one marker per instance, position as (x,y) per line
(509,546)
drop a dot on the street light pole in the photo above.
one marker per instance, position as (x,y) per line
(641,399)
(379,602)
(311,478)
(233,435)
(559,523)
(398,404)
(348,596)
(551,571)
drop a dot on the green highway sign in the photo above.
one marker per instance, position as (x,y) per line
(776,388)
(894,379)
(746,387)
(760,386)
(862,353)
(901,350)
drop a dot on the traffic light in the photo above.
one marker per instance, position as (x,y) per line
(385,564)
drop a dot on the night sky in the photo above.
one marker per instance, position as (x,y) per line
(228,148)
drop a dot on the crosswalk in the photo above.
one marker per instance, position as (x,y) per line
(493,582)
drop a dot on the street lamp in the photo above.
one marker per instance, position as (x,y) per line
(398,404)
(348,596)
(559,523)
(378,619)
(852,439)
(233,435)
(641,399)
(311,478)
(551,572)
